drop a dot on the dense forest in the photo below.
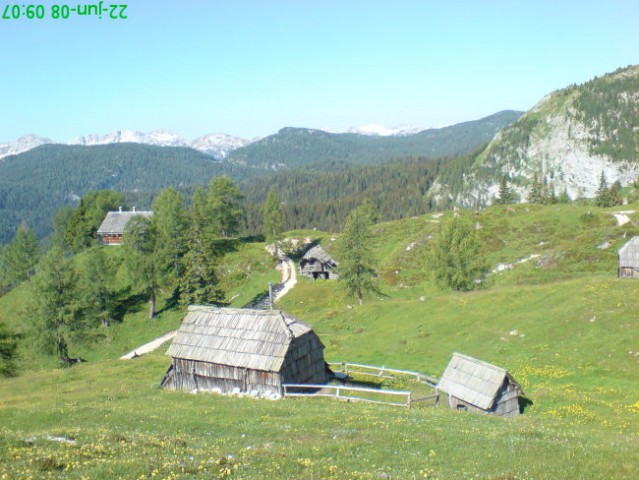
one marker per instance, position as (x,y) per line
(35,184)
(321,176)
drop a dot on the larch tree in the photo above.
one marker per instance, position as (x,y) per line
(57,307)
(199,282)
(273,218)
(145,269)
(356,267)
(225,203)
(455,258)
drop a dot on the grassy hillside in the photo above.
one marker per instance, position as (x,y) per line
(560,321)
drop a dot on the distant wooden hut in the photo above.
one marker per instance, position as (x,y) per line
(243,351)
(112,228)
(480,387)
(316,263)
(629,259)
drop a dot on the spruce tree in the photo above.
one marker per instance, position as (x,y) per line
(21,255)
(356,269)
(100,297)
(170,224)
(505,195)
(536,192)
(8,352)
(602,198)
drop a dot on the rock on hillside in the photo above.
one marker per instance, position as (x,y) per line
(568,138)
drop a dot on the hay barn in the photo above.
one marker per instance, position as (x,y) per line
(316,263)
(478,386)
(111,229)
(245,351)
(629,259)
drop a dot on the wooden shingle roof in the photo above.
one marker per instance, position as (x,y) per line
(629,254)
(473,381)
(254,339)
(320,254)
(115,222)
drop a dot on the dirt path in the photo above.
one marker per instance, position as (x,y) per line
(289,276)
(149,347)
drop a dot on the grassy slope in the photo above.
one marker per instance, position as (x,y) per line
(561,323)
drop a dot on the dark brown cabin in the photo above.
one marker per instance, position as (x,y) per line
(112,228)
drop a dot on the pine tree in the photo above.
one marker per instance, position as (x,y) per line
(57,312)
(455,258)
(356,269)
(272,214)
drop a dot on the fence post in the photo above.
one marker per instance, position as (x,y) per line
(409,399)
(437,396)
(337,392)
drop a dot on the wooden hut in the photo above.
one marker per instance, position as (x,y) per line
(480,387)
(243,351)
(629,259)
(112,228)
(316,263)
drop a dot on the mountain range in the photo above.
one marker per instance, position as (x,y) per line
(218,145)
(568,140)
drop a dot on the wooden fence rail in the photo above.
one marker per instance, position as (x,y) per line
(382,372)
(343,392)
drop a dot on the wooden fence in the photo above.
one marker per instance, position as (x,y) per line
(348,393)
(380,372)
(371,395)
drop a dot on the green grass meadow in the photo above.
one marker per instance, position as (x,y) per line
(560,321)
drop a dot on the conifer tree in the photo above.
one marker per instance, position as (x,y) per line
(356,269)
(21,255)
(170,224)
(505,195)
(99,295)
(225,204)
(602,198)
(8,352)
(455,258)
(146,270)
(199,282)
(536,192)
(57,312)
(272,213)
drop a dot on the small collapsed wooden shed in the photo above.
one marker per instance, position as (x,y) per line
(629,259)
(316,263)
(480,387)
(111,229)
(244,351)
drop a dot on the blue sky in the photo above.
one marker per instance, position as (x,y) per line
(249,68)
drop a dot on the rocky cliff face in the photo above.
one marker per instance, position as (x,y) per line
(568,139)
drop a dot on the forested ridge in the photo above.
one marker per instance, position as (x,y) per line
(34,184)
(321,176)
(320,150)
